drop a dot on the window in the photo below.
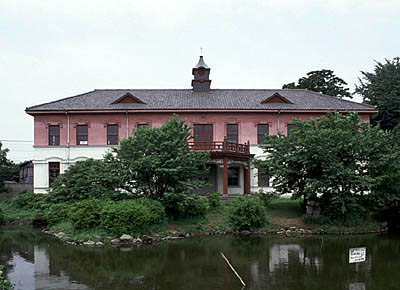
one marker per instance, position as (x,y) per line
(203,133)
(112,134)
(233,176)
(263,178)
(143,125)
(262,130)
(290,128)
(82,135)
(232,133)
(54,135)
(54,171)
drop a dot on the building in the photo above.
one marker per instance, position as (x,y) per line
(26,172)
(229,123)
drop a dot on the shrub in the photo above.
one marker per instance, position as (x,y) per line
(181,205)
(86,214)
(57,213)
(87,179)
(5,284)
(266,197)
(246,213)
(29,200)
(131,216)
(214,199)
(2,218)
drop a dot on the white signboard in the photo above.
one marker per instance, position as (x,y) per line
(357,255)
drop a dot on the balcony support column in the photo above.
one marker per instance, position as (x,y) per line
(247,179)
(225,183)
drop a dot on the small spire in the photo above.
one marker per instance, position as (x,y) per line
(201,63)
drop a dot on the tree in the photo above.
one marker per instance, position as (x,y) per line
(8,169)
(335,159)
(157,161)
(381,88)
(322,81)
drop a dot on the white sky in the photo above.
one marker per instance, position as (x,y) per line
(50,49)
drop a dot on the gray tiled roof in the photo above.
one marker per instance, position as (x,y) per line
(186,99)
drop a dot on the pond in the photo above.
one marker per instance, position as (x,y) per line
(35,261)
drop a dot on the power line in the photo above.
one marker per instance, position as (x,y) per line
(17,141)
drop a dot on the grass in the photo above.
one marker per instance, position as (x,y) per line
(285,207)
(16,216)
(366,227)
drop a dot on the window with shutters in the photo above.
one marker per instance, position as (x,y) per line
(112,134)
(82,135)
(203,132)
(262,130)
(54,135)
(232,133)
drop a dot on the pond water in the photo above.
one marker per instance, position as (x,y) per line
(35,261)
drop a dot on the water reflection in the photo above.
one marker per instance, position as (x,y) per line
(357,286)
(36,262)
(279,256)
(34,272)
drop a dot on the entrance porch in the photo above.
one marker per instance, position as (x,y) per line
(229,167)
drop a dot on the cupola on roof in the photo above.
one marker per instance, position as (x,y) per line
(201,73)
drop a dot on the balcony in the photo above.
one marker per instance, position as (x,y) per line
(220,146)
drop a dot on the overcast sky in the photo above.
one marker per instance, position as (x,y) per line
(51,49)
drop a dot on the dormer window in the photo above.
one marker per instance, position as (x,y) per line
(128,98)
(276,98)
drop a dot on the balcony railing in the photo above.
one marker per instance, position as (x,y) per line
(220,146)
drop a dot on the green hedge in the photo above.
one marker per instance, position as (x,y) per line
(86,214)
(214,199)
(182,205)
(57,213)
(247,213)
(131,216)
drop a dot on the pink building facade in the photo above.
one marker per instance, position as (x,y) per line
(228,123)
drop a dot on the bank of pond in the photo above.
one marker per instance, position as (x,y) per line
(100,222)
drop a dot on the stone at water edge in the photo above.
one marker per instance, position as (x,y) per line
(99,244)
(137,241)
(115,241)
(147,239)
(126,238)
(89,243)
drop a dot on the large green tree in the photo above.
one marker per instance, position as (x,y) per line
(322,81)
(336,160)
(8,169)
(157,161)
(381,88)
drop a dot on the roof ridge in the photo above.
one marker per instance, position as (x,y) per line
(63,99)
(190,89)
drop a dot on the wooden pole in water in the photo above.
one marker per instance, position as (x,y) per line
(233,269)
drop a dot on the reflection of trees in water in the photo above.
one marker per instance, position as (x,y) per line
(263,262)
(15,241)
